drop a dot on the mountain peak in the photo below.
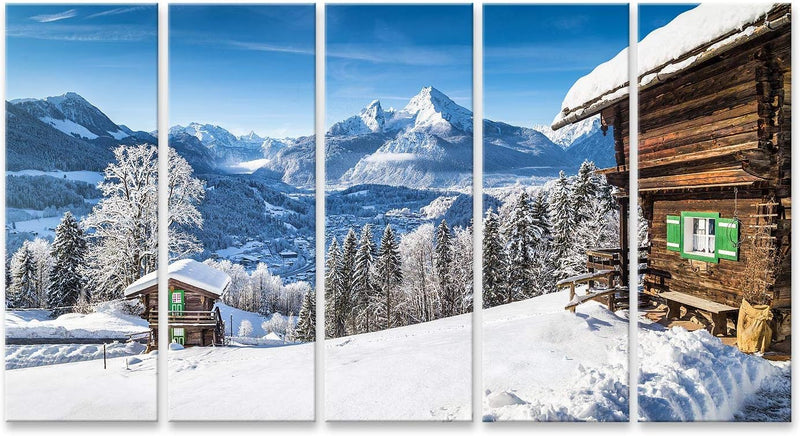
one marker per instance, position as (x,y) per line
(432,108)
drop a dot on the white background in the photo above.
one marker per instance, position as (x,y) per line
(420,428)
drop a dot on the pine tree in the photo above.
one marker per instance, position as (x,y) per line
(568,261)
(363,281)
(306,324)
(521,237)
(333,286)
(389,277)
(67,282)
(539,216)
(22,292)
(495,267)
(444,263)
(584,190)
(344,299)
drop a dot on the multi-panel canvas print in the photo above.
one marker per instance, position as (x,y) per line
(398,234)
(555,283)
(81,211)
(714,189)
(242,230)
(701,268)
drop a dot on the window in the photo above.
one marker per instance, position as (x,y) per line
(703,236)
(701,240)
(176,297)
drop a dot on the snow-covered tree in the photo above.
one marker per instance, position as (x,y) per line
(333,285)
(43,264)
(266,288)
(443,261)
(364,282)
(344,299)
(521,237)
(389,277)
(307,319)
(66,277)
(22,292)
(123,226)
(416,251)
(245,328)
(185,192)
(462,269)
(562,212)
(495,266)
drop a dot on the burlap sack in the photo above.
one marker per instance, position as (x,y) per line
(753,330)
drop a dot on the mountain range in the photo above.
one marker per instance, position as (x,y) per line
(427,143)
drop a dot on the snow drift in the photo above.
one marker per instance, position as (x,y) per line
(693,376)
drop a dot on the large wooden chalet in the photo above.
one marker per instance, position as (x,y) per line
(714,156)
(194,289)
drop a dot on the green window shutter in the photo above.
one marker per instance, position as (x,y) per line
(673,233)
(727,239)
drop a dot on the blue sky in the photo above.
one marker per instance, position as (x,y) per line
(391,52)
(243,67)
(653,16)
(534,53)
(108,54)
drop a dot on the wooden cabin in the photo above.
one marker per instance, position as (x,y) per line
(194,288)
(714,156)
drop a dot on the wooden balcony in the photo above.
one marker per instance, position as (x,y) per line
(188,318)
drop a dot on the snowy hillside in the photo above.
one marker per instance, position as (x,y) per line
(572,133)
(245,383)
(543,363)
(418,372)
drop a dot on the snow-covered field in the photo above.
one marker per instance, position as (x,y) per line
(91,177)
(242,383)
(83,391)
(693,376)
(418,372)
(541,362)
(107,321)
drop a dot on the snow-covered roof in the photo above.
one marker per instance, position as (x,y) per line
(692,37)
(188,271)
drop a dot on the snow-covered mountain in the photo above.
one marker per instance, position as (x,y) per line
(72,114)
(226,147)
(568,135)
(427,143)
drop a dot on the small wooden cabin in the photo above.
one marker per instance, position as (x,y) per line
(194,288)
(714,155)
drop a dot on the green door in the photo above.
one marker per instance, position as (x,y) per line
(177,335)
(176,302)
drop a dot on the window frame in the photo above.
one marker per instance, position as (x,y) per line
(687,225)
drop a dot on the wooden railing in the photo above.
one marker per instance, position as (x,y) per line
(188,317)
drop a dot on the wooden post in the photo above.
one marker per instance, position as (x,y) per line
(572,295)
(623,240)
(104,356)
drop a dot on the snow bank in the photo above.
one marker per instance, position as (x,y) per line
(690,30)
(242,383)
(414,373)
(543,363)
(83,391)
(26,356)
(693,376)
(107,321)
